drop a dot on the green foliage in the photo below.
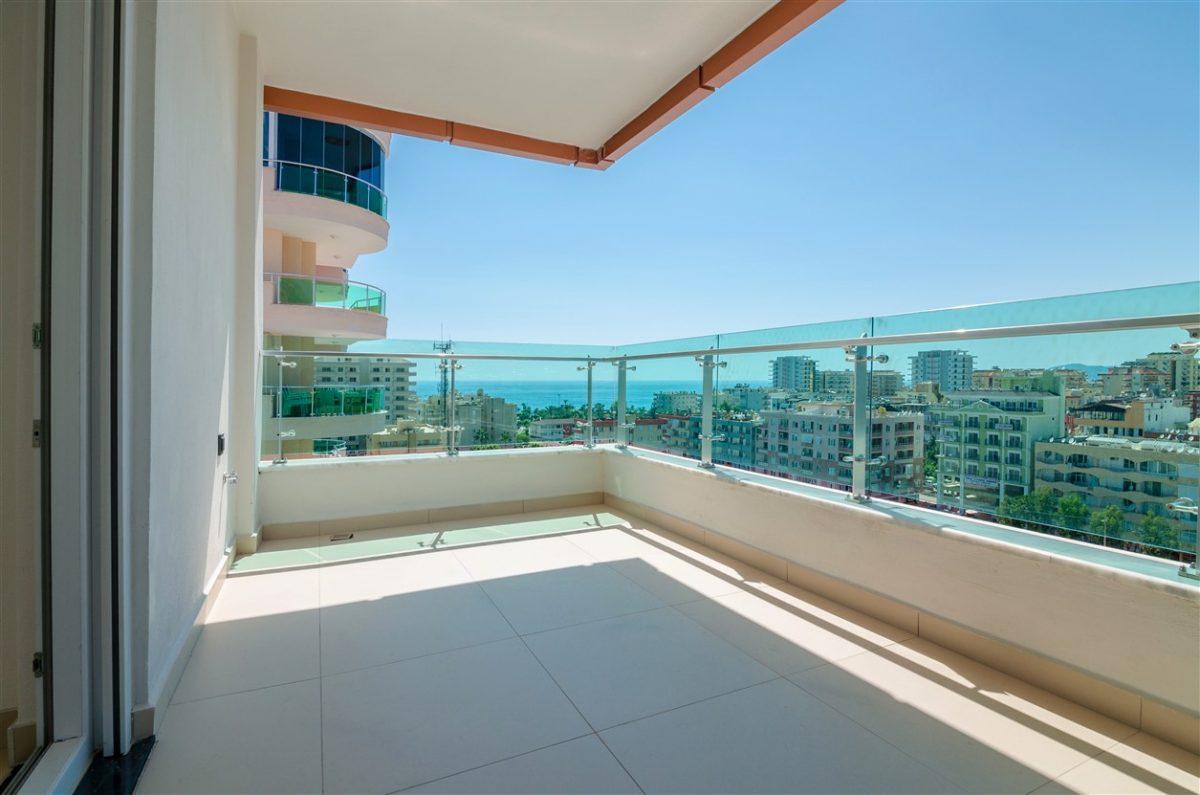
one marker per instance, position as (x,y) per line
(1107,522)
(1072,512)
(1156,531)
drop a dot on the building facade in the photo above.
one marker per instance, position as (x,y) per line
(678,402)
(986,440)
(951,370)
(797,373)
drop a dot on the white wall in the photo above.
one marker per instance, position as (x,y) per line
(191,300)
(1136,632)
(315,490)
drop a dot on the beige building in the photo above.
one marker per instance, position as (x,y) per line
(1130,418)
(1142,477)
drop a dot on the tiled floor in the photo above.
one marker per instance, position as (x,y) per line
(614,658)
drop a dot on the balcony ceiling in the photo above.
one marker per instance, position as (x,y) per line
(570,72)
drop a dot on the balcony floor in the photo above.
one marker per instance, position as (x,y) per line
(615,657)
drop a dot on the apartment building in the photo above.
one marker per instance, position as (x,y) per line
(1181,368)
(951,370)
(392,377)
(323,207)
(884,383)
(677,402)
(481,419)
(752,398)
(1142,477)
(797,373)
(734,442)
(986,438)
(407,436)
(814,442)
(1129,418)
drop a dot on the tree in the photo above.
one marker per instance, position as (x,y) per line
(1042,506)
(1107,522)
(1072,512)
(931,460)
(1015,508)
(1156,531)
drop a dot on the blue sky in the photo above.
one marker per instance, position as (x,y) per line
(893,158)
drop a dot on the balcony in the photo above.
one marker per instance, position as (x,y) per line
(595,624)
(322,412)
(308,306)
(342,214)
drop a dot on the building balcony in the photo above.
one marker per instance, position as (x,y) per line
(596,620)
(306,306)
(341,214)
(322,412)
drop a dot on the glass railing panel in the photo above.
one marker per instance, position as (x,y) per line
(1063,434)
(297,290)
(308,291)
(329,184)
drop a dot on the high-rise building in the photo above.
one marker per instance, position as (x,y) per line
(841,382)
(798,373)
(951,370)
(677,402)
(323,207)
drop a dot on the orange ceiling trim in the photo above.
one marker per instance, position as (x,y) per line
(779,23)
(678,100)
(282,100)
(511,144)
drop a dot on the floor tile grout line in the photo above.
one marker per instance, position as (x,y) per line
(877,735)
(690,703)
(473,768)
(628,772)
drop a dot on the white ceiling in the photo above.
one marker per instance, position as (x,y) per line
(568,71)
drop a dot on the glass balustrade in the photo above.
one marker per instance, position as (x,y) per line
(310,291)
(329,184)
(1012,414)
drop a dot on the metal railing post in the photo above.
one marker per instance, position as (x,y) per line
(622,429)
(451,405)
(862,428)
(590,424)
(707,363)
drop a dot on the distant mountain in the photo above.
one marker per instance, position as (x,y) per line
(1093,370)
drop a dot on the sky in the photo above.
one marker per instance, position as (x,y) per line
(894,157)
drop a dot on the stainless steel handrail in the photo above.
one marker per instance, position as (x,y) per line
(954,335)
(275,160)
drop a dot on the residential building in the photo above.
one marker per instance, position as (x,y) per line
(481,419)
(395,378)
(752,398)
(951,370)
(1126,381)
(323,207)
(884,383)
(1182,368)
(797,373)
(985,441)
(734,438)
(1130,418)
(678,402)
(407,436)
(815,442)
(1142,477)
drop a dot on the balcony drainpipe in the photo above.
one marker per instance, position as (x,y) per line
(706,409)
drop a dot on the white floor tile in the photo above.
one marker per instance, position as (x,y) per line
(382,611)
(629,667)
(511,558)
(262,631)
(1140,764)
(768,738)
(265,741)
(581,766)
(544,600)
(399,725)
(982,729)
(794,635)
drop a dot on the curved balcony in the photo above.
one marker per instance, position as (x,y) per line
(292,177)
(306,306)
(342,214)
(323,411)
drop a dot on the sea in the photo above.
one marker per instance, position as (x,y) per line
(543,394)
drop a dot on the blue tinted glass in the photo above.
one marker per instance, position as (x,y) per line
(313,143)
(353,143)
(287,137)
(266,135)
(335,146)
(365,144)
